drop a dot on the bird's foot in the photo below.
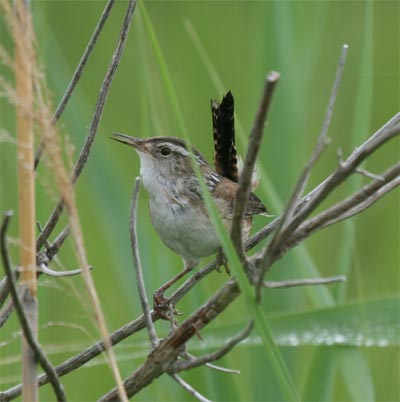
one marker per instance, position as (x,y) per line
(163,306)
(222,261)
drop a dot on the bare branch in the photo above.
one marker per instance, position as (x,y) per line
(222,369)
(303,282)
(279,236)
(170,347)
(29,335)
(370,175)
(43,268)
(321,143)
(201,361)
(83,357)
(42,257)
(53,249)
(78,72)
(352,205)
(368,202)
(138,267)
(343,171)
(255,140)
(188,356)
(98,112)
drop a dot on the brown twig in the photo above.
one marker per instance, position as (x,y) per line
(352,205)
(25,325)
(42,257)
(279,235)
(65,185)
(303,282)
(78,72)
(74,80)
(255,140)
(170,347)
(46,257)
(138,267)
(83,357)
(98,112)
(343,171)
(201,361)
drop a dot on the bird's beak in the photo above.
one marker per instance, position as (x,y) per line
(137,143)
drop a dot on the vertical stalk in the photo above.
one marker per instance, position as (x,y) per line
(26,188)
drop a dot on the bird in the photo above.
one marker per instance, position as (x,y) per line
(177,208)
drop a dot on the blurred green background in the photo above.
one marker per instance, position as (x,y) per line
(210,47)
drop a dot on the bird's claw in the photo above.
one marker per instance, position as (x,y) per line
(221,261)
(163,306)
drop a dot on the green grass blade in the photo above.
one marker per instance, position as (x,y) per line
(356,375)
(274,356)
(353,365)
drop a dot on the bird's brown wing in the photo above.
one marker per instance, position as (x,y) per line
(224,191)
(225,158)
(255,206)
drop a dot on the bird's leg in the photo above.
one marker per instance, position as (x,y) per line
(221,261)
(161,303)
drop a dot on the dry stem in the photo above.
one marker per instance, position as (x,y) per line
(24,56)
(29,334)
(78,72)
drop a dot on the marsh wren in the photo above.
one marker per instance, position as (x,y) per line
(177,208)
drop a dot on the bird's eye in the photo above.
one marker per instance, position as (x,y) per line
(165,151)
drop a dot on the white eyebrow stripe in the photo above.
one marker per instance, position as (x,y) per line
(175,148)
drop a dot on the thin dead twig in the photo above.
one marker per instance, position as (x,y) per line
(44,269)
(368,174)
(255,140)
(98,112)
(50,253)
(29,335)
(47,257)
(352,205)
(103,93)
(65,186)
(281,234)
(188,356)
(201,361)
(319,193)
(83,357)
(344,170)
(170,347)
(303,282)
(78,72)
(345,209)
(138,267)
